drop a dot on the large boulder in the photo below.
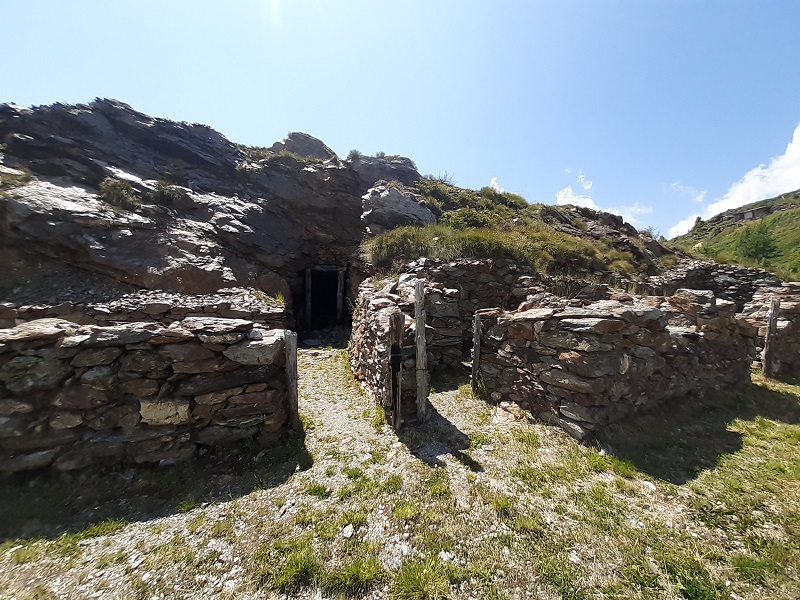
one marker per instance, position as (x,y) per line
(386,207)
(371,169)
(304,145)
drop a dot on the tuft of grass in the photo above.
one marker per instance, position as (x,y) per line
(405,510)
(526,436)
(120,194)
(318,490)
(221,528)
(287,565)
(393,484)
(425,579)
(356,575)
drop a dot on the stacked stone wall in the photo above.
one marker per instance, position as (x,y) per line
(142,392)
(787,334)
(586,367)
(158,306)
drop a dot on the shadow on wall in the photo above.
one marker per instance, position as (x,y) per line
(685,436)
(47,505)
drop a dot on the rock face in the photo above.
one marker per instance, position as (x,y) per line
(370,169)
(387,207)
(230,216)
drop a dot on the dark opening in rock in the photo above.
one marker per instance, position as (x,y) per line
(324,297)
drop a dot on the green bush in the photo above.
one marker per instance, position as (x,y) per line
(757,242)
(466,218)
(354,154)
(119,193)
(165,194)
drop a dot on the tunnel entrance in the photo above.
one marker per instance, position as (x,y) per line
(324,291)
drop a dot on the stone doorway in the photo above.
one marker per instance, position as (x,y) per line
(324,295)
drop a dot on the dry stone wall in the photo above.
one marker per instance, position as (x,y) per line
(787,335)
(142,392)
(585,367)
(162,307)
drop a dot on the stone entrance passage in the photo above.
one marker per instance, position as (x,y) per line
(324,291)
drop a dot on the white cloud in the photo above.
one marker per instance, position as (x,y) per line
(682,226)
(627,212)
(567,170)
(495,186)
(568,196)
(585,183)
(696,195)
(780,176)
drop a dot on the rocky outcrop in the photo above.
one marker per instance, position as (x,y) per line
(369,169)
(387,207)
(199,213)
(74,395)
(304,145)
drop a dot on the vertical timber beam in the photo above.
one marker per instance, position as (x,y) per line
(476,353)
(397,322)
(422,353)
(290,347)
(340,297)
(308,297)
(768,355)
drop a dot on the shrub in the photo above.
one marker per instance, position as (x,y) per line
(165,194)
(380,154)
(119,193)
(354,154)
(466,218)
(757,242)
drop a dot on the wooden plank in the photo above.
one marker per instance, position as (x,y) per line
(290,347)
(768,355)
(422,352)
(340,297)
(397,322)
(308,298)
(476,352)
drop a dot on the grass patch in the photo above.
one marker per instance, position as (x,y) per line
(421,580)
(319,490)
(405,510)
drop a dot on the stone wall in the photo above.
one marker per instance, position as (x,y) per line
(730,282)
(787,335)
(143,392)
(161,307)
(585,367)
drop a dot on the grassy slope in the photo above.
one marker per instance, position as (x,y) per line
(489,224)
(720,241)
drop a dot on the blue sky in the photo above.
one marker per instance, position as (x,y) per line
(658,110)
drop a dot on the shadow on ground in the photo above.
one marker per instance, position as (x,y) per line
(688,435)
(438,436)
(49,504)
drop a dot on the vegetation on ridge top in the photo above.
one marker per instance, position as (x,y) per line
(488,223)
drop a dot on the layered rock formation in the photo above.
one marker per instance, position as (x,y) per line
(222,216)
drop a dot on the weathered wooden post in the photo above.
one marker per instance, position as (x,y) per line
(290,348)
(308,297)
(476,353)
(340,296)
(422,352)
(768,354)
(397,322)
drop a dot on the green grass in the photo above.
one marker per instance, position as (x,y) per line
(318,490)
(537,244)
(421,580)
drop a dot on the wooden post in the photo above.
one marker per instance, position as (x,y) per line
(308,297)
(422,352)
(340,297)
(476,352)
(290,347)
(768,355)
(397,322)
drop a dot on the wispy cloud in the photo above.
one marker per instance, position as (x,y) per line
(765,181)
(628,212)
(696,195)
(495,186)
(585,183)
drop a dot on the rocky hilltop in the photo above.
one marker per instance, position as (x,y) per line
(157,204)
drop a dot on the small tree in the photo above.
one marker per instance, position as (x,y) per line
(757,242)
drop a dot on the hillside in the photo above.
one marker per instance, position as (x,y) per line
(97,199)
(763,234)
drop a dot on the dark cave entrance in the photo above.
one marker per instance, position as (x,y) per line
(324,297)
